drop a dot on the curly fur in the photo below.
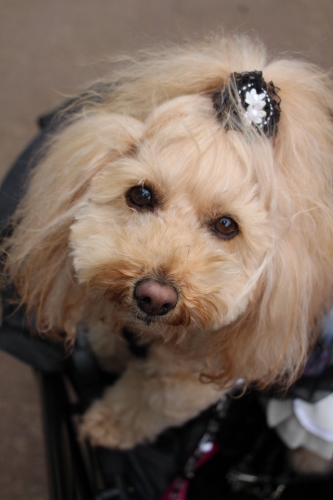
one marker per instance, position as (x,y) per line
(248,307)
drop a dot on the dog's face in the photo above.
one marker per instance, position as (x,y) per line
(176,233)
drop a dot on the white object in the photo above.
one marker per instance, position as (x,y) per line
(256,102)
(299,423)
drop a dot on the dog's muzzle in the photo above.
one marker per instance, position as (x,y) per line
(155,298)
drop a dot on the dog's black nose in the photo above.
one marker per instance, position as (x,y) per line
(155,298)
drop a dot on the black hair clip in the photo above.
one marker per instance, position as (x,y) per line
(249,95)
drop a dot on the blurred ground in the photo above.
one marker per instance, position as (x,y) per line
(47,50)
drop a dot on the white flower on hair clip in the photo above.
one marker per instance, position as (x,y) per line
(248,95)
(256,102)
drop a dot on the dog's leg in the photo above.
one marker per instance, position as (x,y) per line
(151,395)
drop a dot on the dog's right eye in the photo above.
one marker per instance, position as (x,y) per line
(140,197)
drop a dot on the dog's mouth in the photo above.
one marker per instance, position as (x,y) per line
(148,320)
(171,327)
(172,318)
(178,319)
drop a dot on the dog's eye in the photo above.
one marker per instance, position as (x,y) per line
(140,197)
(226,227)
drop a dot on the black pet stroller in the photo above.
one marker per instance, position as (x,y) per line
(226,453)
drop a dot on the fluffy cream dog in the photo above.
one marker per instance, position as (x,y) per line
(161,204)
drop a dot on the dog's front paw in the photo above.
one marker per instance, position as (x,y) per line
(104,427)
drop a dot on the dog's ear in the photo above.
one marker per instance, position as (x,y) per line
(38,261)
(270,343)
(273,339)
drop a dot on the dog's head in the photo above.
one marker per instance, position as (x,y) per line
(187,227)
(176,231)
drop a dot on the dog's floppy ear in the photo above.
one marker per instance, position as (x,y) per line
(272,340)
(38,261)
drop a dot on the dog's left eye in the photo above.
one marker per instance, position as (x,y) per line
(226,227)
(140,197)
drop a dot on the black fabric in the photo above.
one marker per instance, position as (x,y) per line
(253,463)
(18,338)
(311,389)
(150,468)
(88,379)
(43,355)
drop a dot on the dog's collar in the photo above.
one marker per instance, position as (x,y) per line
(248,96)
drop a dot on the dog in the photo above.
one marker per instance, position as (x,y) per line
(188,198)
